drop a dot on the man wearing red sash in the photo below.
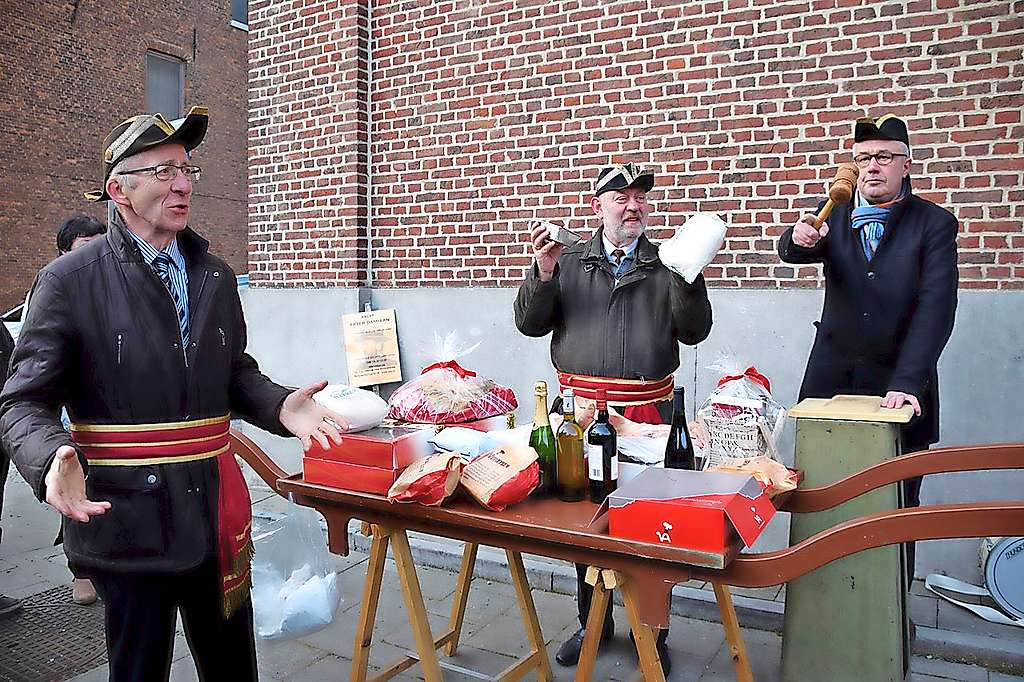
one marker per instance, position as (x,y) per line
(616,316)
(140,334)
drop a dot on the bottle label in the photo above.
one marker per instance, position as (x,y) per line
(595,462)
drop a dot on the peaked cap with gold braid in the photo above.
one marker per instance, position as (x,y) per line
(143,132)
(621,176)
(886,127)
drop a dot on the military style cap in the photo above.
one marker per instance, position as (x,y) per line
(621,176)
(886,127)
(143,132)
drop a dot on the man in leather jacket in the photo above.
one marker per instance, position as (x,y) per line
(140,334)
(616,316)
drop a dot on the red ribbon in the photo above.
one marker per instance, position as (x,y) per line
(750,373)
(453,366)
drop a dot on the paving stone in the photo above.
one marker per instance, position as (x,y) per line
(948,670)
(764,650)
(951,617)
(922,610)
(280,659)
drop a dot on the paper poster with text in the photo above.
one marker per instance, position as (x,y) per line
(371,347)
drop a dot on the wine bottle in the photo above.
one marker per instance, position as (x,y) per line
(542,440)
(679,449)
(570,469)
(602,453)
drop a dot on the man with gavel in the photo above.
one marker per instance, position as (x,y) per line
(890,269)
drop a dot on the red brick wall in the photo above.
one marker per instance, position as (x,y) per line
(70,75)
(486,114)
(308,86)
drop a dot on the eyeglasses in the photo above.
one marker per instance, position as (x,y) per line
(883,159)
(166,172)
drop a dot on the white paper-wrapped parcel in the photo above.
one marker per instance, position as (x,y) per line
(363,409)
(694,245)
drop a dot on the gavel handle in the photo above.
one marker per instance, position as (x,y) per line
(823,214)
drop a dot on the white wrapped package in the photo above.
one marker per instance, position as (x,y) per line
(300,605)
(694,245)
(363,409)
(459,439)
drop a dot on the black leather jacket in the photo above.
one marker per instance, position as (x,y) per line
(627,329)
(102,338)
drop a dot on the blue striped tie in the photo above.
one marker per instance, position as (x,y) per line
(162,264)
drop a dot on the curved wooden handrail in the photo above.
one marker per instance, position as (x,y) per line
(261,462)
(940,460)
(936,522)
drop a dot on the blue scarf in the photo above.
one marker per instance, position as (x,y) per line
(870,220)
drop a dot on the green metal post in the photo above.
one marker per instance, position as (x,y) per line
(846,620)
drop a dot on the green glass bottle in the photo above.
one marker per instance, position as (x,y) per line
(542,440)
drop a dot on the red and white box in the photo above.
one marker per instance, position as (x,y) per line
(368,461)
(698,510)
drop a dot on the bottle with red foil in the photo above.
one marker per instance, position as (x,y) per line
(602,453)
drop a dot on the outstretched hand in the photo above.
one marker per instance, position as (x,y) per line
(308,419)
(65,487)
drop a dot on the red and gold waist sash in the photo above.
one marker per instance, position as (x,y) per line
(178,442)
(619,391)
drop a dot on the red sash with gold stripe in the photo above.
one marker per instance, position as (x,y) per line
(619,391)
(174,443)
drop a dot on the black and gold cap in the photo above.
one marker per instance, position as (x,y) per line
(886,127)
(143,132)
(621,176)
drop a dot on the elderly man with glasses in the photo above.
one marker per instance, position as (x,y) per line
(890,267)
(140,334)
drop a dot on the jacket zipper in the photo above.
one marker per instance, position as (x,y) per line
(120,341)
(223,338)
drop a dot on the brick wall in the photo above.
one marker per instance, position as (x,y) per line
(486,114)
(70,75)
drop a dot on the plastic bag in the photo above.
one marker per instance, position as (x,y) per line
(363,409)
(740,418)
(694,245)
(294,591)
(446,393)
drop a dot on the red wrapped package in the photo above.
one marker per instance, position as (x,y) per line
(446,393)
(502,477)
(428,481)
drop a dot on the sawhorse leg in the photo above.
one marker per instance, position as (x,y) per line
(603,581)
(733,636)
(425,645)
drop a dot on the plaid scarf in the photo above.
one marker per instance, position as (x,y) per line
(870,220)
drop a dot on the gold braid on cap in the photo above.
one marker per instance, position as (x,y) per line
(128,137)
(629,172)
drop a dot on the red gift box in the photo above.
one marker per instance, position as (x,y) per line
(368,461)
(696,510)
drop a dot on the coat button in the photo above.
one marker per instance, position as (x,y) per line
(866,316)
(151,479)
(871,275)
(216,273)
(174,345)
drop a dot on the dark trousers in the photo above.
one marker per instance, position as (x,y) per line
(584,593)
(140,615)
(5,464)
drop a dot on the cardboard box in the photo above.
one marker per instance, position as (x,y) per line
(346,476)
(368,461)
(697,510)
(390,447)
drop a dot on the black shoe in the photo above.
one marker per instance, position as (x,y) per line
(666,661)
(569,653)
(9,606)
(661,645)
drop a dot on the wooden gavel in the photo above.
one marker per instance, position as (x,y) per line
(839,192)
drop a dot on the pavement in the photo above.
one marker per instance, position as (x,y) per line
(951,644)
